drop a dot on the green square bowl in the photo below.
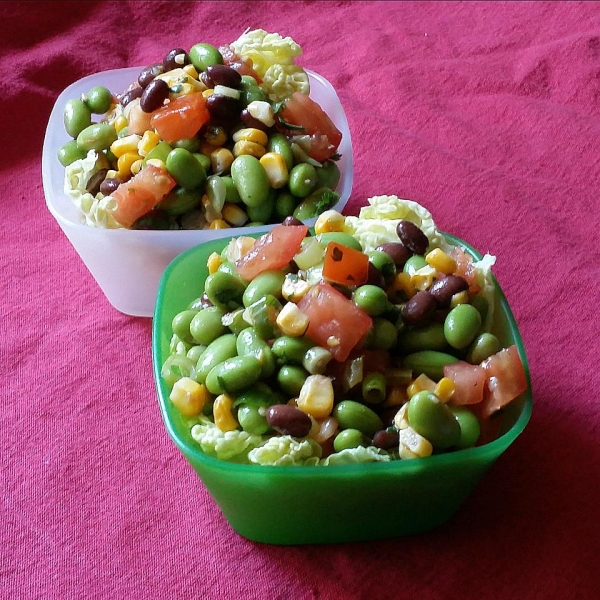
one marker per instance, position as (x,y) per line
(302,505)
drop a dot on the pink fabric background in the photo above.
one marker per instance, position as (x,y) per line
(486,113)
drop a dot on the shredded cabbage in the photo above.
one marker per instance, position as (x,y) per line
(285,450)
(229,445)
(355,456)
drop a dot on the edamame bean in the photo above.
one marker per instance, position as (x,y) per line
(354,415)
(231,193)
(264,211)
(430,337)
(176,367)
(98,136)
(185,169)
(76,117)
(461,325)
(204,55)
(191,145)
(433,419)
(250,180)
(481,304)
(235,321)
(253,419)
(483,347)
(348,439)
(194,353)
(470,429)
(328,175)
(216,352)
(69,153)
(292,350)
(383,262)
(203,160)
(279,144)
(267,282)
(180,200)
(285,204)
(181,325)
(371,299)
(291,378)
(233,374)
(383,335)
(303,180)
(207,325)
(414,263)
(249,343)
(430,362)
(99,99)
(224,289)
(160,151)
(317,202)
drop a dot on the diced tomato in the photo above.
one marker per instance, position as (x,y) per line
(182,118)
(345,265)
(141,193)
(303,111)
(506,379)
(242,65)
(469,380)
(335,322)
(274,250)
(465,268)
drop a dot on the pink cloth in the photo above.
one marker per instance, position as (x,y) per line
(486,113)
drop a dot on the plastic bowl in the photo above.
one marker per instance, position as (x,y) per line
(301,505)
(127,264)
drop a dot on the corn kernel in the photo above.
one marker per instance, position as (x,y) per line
(222,412)
(395,397)
(120,123)
(213,262)
(137,166)
(422,382)
(125,161)
(444,389)
(129,143)
(156,162)
(215,135)
(330,220)
(149,141)
(422,278)
(234,215)
(276,168)
(401,417)
(292,321)
(400,287)
(440,261)
(220,160)
(294,288)
(190,70)
(244,147)
(316,396)
(413,444)
(189,396)
(207,93)
(251,134)
(112,173)
(219,224)
(459,298)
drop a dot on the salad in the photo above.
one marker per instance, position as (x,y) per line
(207,138)
(366,340)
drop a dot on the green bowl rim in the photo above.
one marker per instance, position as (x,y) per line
(195,454)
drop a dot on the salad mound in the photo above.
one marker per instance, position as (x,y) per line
(367,340)
(207,138)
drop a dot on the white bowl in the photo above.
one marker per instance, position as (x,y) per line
(128,264)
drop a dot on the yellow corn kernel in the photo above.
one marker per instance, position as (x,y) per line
(413,444)
(220,160)
(244,147)
(294,289)
(401,417)
(459,298)
(422,278)
(276,168)
(149,140)
(422,382)
(222,412)
(189,396)
(395,397)
(207,93)
(234,215)
(292,321)
(401,287)
(444,389)
(440,261)
(215,135)
(316,396)
(251,134)
(129,143)
(112,173)
(190,70)
(330,220)
(213,262)
(137,166)
(219,224)
(125,161)
(119,123)
(183,89)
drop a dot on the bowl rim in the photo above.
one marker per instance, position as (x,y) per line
(49,159)
(397,467)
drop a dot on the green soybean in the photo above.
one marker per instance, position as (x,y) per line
(69,153)
(315,203)
(461,325)
(267,282)
(340,238)
(176,367)
(482,305)
(224,289)
(348,439)
(250,180)
(328,175)
(371,299)
(303,180)
(231,193)
(194,352)
(263,314)
(190,144)
(470,429)
(160,151)
(429,337)
(250,91)
(181,325)
(203,160)
(482,347)
(233,374)
(76,117)
(180,200)
(263,212)
(285,203)
(185,169)
(291,378)
(433,419)
(383,334)
(216,352)
(279,144)
(252,420)
(204,55)
(235,321)
(98,136)
(414,263)
(291,350)
(430,362)
(99,99)
(207,325)
(383,262)
(354,415)
(249,343)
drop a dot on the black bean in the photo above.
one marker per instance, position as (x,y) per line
(419,309)
(288,420)
(175,58)
(290,221)
(374,276)
(386,439)
(224,108)
(130,95)
(412,237)
(443,289)
(148,73)
(397,251)
(249,121)
(223,75)
(95,181)
(156,92)
(109,185)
